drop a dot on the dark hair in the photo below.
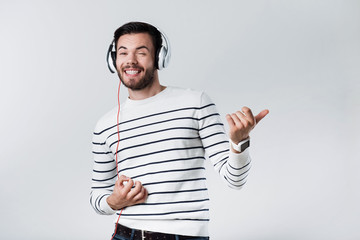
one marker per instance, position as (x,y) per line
(141,27)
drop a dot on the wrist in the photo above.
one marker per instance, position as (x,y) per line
(111,202)
(241,146)
(105,207)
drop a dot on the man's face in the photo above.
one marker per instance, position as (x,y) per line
(135,60)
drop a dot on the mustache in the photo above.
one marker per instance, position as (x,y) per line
(133,66)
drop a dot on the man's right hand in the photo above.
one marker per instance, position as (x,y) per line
(124,195)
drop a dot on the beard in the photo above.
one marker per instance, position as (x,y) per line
(144,82)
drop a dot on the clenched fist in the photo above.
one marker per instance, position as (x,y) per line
(125,194)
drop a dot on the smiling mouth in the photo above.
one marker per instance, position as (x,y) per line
(132,72)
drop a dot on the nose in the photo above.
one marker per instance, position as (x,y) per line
(131,59)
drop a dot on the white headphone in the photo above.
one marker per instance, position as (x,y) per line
(163,55)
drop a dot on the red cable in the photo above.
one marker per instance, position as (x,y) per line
(118,130)
(117,224)
(116,153)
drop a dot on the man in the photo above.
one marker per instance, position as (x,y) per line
(164,135)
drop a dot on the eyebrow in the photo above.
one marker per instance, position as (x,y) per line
(138,48)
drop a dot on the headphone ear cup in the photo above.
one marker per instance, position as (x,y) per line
(161,58)
(111,58)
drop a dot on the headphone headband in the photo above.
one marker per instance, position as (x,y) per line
(163,56)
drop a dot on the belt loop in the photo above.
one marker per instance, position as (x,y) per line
(142,235)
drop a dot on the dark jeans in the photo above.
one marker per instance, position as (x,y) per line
(118,237)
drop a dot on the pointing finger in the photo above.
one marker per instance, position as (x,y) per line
(128,185)
(121,180)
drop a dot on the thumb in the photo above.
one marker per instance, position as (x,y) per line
(261,115)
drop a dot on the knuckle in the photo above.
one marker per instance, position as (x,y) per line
(141,195)
(129,197)
(122,195)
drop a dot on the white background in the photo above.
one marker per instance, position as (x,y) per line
(299,59)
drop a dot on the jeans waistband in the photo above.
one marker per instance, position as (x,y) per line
(136,234)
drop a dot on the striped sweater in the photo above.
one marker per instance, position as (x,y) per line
(164,141)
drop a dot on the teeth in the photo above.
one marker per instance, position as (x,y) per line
(131,72)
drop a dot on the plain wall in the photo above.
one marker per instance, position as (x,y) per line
(299,59)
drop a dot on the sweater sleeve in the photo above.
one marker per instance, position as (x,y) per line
(232,167)
(104,174)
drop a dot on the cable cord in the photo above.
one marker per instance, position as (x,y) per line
(116,153)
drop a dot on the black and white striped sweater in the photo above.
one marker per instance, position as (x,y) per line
(163,144)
